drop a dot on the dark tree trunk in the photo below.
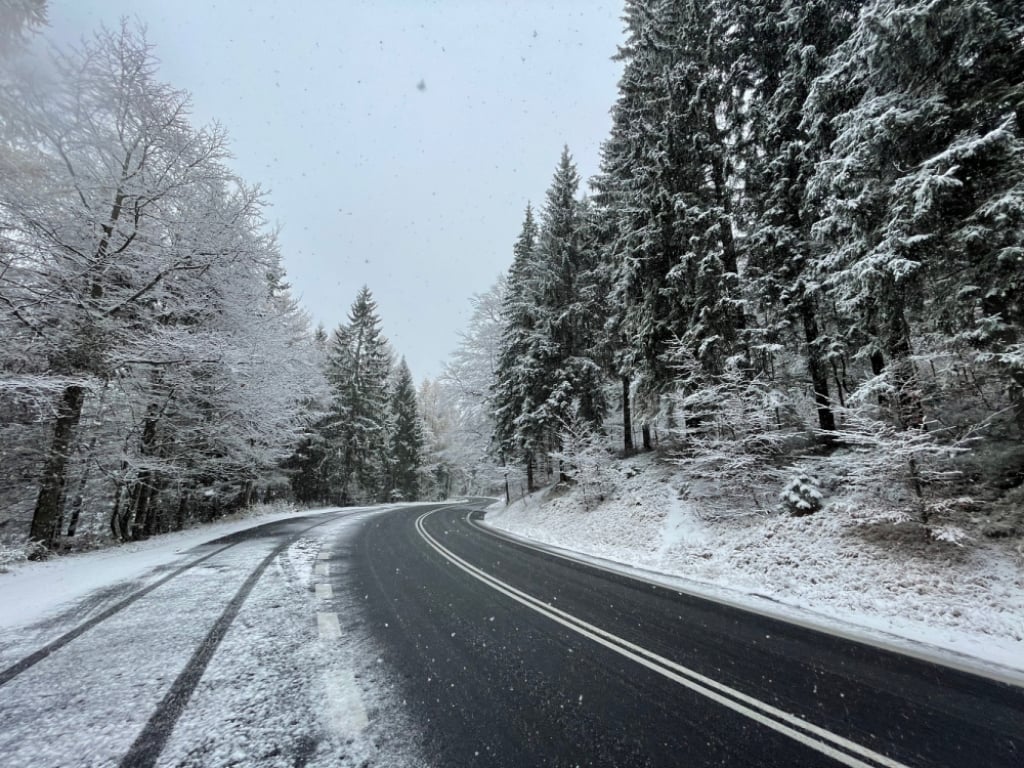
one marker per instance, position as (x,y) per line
(118,520)
(179,520)
(627,419)
(877,362)
(508,495)
(530,488)
(76,504)
(248,493)
(142,526)
(909,409)
(140,513)
(46,520)
(645,432)
(817,370)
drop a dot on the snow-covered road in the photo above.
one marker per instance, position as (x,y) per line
(213,657)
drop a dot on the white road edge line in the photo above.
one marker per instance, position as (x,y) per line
(344,704)
(328,625)
(712,689)
(322,569)
(324,591)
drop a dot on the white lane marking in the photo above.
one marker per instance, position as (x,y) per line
(323,556)
(783,722)
(324,591)
(944,657)
(328,625)
(322,569)
(343,706)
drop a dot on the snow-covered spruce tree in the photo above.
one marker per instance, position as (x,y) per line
(358,366)
(667,181)
(778,48)
(308,468)
(406,444)
(515,377)
(919,196)
(570,318)
(550,363)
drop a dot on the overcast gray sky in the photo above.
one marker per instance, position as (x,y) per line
(400,139)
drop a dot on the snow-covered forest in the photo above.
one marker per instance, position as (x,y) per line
(366,446)
(155,370)
(799,270)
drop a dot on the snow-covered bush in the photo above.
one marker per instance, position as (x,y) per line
(585,459)
(898,475)
(731,431)
(801,496)
(11,554)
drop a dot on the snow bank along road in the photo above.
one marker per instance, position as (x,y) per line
(261,649)
(514,657)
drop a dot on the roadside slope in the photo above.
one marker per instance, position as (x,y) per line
(878,581)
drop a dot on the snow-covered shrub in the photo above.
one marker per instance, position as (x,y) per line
(11,554)
(801,496)
(585,459)
(731,431)
(898,475)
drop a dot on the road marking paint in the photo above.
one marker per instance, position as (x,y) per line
(944,657)
(322,569)
(343,705)
(324,591)
(766,714)
(328,625)
(324,556)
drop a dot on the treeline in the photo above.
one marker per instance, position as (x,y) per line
(367,445)
(153,362)
(807,232)
(155,369)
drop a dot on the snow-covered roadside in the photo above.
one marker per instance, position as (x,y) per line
(31,591)
(965,605)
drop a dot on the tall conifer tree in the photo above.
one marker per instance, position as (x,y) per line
(406,444)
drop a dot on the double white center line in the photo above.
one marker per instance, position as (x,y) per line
(824,741)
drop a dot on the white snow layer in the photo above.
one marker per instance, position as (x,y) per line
(32,591)
(883,584)
(276,693)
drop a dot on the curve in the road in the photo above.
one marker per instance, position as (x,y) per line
(820,739)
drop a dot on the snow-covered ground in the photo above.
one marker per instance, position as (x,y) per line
(881,582)
(31,591)
(276,692)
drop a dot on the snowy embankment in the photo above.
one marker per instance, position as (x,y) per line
(880,583)
(34,590)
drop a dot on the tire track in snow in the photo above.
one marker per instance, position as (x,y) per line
(148,745)
(35,657)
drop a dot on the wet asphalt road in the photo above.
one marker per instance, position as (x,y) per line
(508,656)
